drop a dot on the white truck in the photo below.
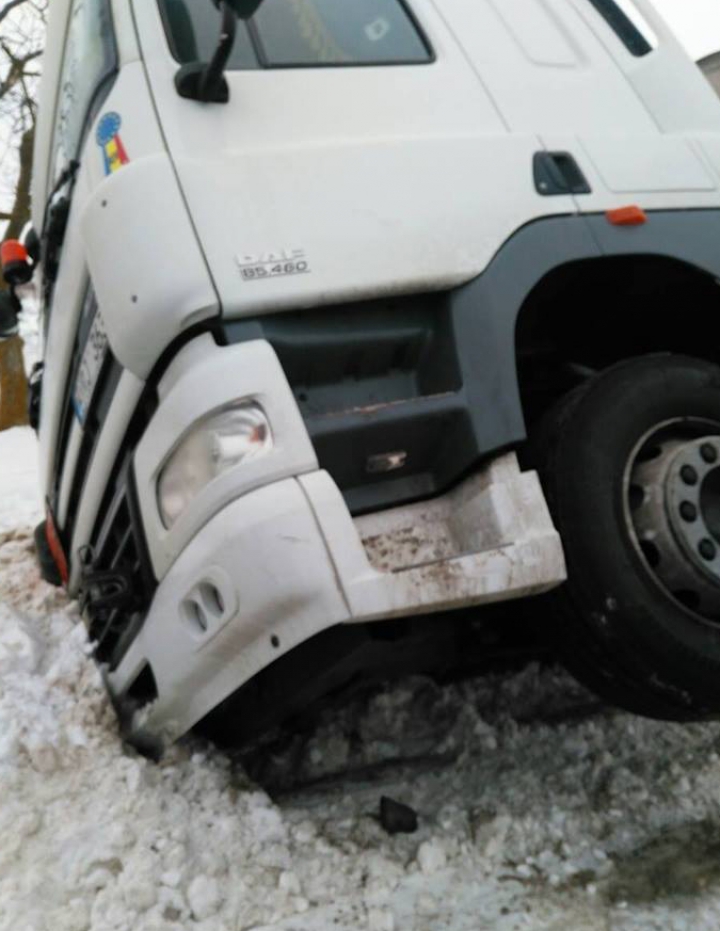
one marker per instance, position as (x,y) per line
(312,273)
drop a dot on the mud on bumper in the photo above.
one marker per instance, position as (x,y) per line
(283,563)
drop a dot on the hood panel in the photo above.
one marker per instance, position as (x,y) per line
(359,220)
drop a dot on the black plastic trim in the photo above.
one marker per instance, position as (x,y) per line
(623,27)
(87,318)
(380,379)
(108,381)
(558,173)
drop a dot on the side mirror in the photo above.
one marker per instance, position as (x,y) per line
(207,83)
(244,9)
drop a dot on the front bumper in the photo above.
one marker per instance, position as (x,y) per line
(284,562)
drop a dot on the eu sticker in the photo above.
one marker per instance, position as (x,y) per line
(108,138)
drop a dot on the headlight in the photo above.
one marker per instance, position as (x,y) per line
(224,439)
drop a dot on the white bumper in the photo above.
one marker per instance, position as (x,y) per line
(287,561)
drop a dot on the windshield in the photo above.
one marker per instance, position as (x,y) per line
(301,33)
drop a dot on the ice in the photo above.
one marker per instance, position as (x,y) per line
(204,897)
(431,857)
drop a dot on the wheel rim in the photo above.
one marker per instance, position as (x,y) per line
(672,512)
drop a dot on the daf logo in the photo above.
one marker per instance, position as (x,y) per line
(269,258)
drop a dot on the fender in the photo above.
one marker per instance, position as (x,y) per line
(490,305)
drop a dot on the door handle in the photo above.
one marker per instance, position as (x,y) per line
(558,173)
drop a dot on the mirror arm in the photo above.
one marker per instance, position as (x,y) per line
(213,80)
(207,83)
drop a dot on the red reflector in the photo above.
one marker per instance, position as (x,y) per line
(58,554)
(627,216)
(12,251)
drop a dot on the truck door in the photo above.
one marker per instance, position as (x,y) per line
(547,65)
(670,86)
(358,140)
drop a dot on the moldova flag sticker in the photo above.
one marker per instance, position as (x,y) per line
(108,138)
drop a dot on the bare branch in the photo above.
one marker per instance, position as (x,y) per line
(21,42)
(9,6)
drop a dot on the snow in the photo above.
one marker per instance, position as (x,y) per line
(19,494)
(538,808)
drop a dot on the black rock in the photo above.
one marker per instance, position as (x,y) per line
(397,818)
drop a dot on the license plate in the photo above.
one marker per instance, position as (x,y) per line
(90,367)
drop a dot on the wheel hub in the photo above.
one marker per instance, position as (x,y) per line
(674,504)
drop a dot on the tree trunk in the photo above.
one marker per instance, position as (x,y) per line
(16,92)
(20,213)
(13,384)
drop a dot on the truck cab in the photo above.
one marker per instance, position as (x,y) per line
(359,314)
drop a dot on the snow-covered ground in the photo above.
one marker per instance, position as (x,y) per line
(538,810)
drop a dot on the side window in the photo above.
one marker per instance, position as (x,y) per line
(301,33)
(629,26)
(89,60)
(338,32)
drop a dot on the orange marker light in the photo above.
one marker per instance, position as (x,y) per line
(12,250)
(627,216)
(15,262)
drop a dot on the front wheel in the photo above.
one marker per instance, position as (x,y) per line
(630,464)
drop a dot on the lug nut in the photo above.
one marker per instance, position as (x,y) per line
(688,511)
(689,475)
(709,453)
(708,550)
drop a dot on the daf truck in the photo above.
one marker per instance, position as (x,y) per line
(361,315)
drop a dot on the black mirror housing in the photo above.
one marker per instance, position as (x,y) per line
(243,9)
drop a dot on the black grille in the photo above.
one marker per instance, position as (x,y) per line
(118,583)
(383,389)
(118,554)
(116,557)
(118,546)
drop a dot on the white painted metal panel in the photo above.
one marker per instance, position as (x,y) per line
(675,166)
(387,179)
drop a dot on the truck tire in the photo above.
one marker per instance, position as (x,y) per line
(630,464)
